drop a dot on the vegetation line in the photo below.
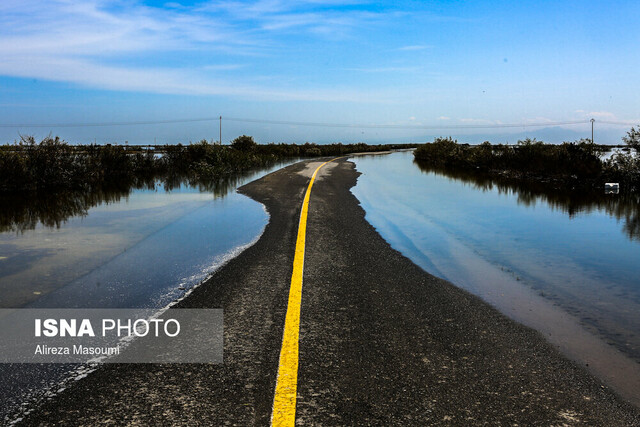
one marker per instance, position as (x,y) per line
(569,165)
(54,165)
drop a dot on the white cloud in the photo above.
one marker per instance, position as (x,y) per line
(602,115)
(167,81)
(121,45)
(305,16)
(89,29)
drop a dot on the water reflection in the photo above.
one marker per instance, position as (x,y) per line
(22,212)
(140,244)
(622,206)
(105,247)
(491,236)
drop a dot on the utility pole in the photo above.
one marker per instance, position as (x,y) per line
(220,141)
(592,121)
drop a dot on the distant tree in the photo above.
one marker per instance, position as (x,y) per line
(632,139)
(441,151)
(243,143)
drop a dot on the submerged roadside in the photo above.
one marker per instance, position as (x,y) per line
(381,341)
(569,273)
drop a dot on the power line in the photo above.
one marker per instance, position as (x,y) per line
(98,124)
(374,126)
(611,122)
(311,124)
(295,123)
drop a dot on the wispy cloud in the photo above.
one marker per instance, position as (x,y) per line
(607,118)
(303,16)
(602,115)
(169,81)
(135,47)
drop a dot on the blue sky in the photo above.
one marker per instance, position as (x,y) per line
(405,64)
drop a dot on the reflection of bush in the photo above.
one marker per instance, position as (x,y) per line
(24,211)
(624,206)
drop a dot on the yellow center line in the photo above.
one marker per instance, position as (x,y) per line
(284,401)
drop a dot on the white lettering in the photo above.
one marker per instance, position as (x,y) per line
(137,329)
(50,327)
(67,327)
(63,328)
(105,328)
(127,327)
(166,327)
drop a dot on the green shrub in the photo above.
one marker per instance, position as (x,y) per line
(52,164)
(244,143)
(572,164)
(632,139)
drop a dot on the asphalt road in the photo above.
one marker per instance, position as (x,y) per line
(381,341)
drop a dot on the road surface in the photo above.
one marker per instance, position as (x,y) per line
(381,342)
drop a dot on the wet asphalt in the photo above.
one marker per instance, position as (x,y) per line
(381,341)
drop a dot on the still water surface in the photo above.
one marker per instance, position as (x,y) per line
(126,248)
(578,252)
(131,248)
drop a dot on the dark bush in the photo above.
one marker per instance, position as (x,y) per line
(570,164)
(244,143)
(53,164)
(632,139)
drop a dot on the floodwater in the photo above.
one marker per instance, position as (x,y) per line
(567,265)
(141,247)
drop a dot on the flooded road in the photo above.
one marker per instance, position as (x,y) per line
(129,248)
(567,265)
